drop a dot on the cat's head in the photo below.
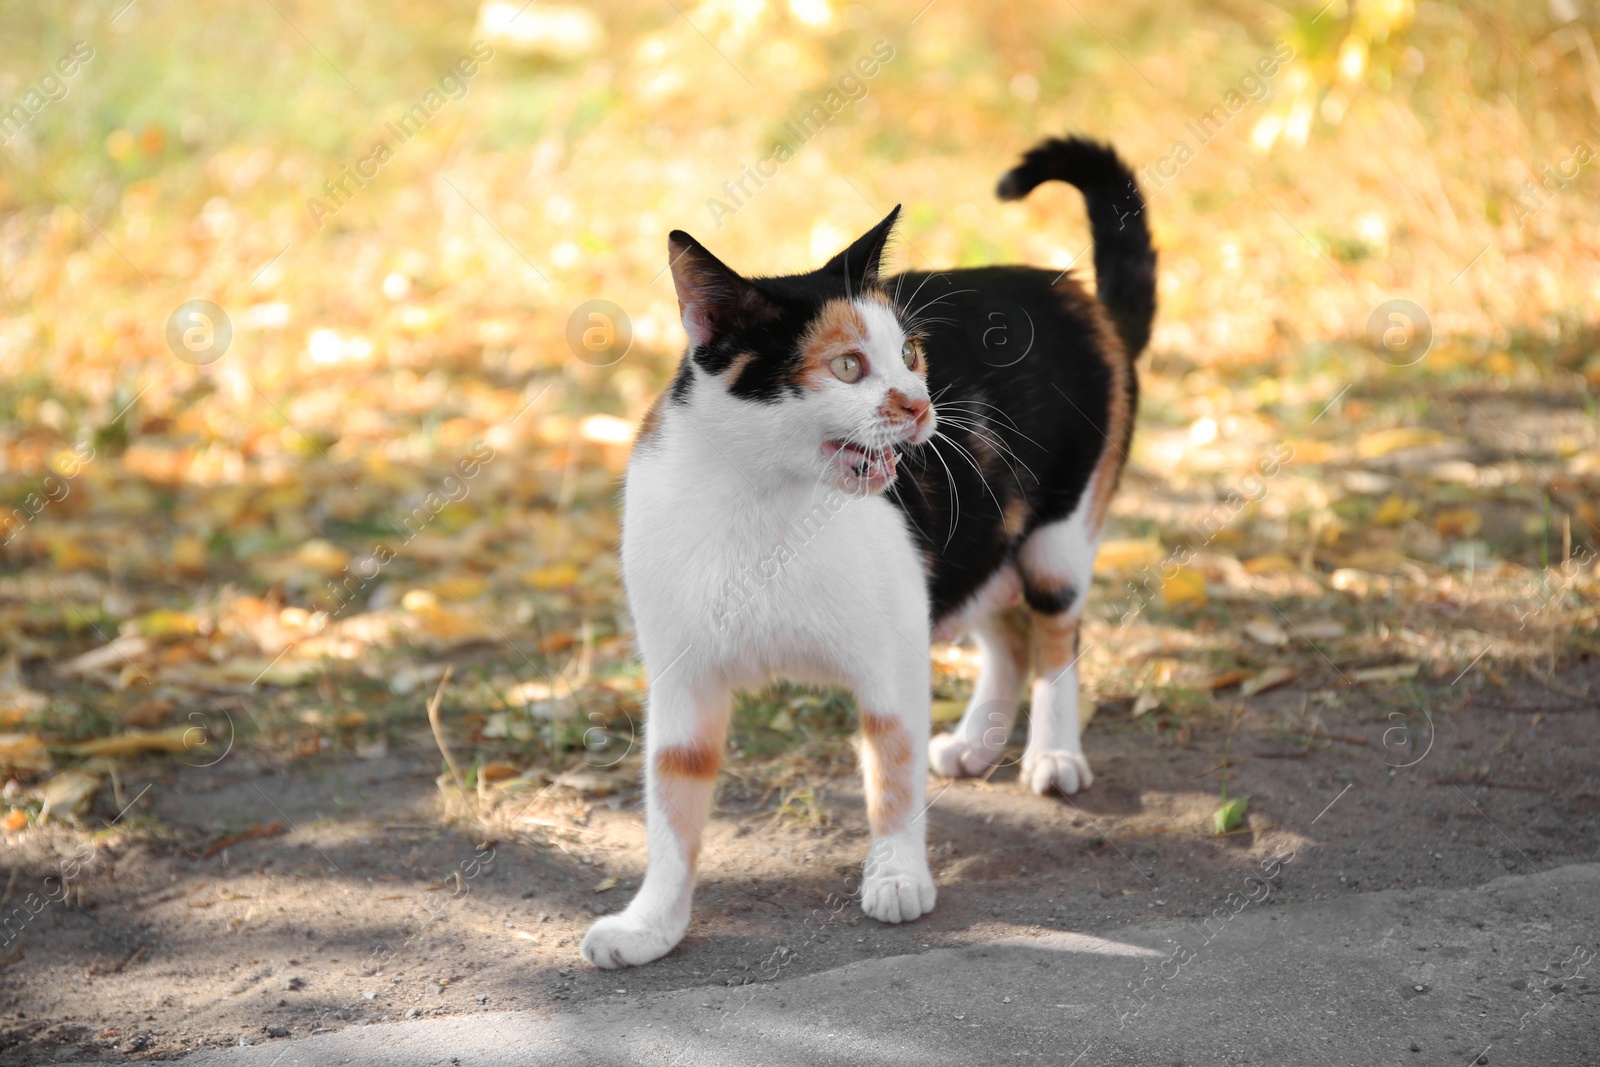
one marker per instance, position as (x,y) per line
(820,367)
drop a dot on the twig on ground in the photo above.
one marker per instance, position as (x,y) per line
(272,829)
(438,731)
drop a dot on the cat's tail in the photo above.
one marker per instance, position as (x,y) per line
(1124,262)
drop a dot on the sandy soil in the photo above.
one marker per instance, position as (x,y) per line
(368,905)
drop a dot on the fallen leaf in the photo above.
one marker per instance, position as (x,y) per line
(17,701)
(271,829)
(1380,560)
(1186,586)
(1382,442)
(164,623)
(1270,678)
(1351,580)
(525,693)
(323,557)
(781,722)
(1225,679)
(152,711)
(606,884)
(123,650)
(189,556)
(494,772)
(1145,704)
(24,754)
(1272,563)
(1394,510)
(72,554)
(1127,555)
(68,794)
(1393,673)
(287,672)
(1306,450)
(557,576)
(590,782)
(16,820)
(1319,629)
(173,739)
(1458,522)
(1266,632)
(1230,815)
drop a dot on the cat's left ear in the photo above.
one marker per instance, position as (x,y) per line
(862,261)
(712,298)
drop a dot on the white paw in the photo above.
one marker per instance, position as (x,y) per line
(625,941)
(1056,769)
(953,756)
(898,896)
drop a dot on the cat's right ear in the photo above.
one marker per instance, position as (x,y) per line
(712,299)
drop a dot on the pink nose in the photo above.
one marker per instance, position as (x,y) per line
(904,407)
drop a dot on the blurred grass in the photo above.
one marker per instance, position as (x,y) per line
(430,313)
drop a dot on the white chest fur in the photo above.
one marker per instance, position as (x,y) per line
(798,580)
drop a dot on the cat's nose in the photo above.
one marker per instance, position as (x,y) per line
(909,409)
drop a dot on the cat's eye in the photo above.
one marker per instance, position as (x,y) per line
(846,368)
(908,352)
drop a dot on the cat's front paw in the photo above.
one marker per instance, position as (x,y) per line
(898,896)
(953,756)
(626,941)
(1056,770)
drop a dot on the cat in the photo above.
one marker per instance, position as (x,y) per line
(847,465)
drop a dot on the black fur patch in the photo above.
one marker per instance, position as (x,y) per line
(1048,601)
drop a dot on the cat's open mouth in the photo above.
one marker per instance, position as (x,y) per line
(867,468)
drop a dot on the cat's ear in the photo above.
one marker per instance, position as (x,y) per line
(712,299)
(861,262)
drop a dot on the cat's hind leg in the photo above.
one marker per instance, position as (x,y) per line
(1057,564)
(977,741)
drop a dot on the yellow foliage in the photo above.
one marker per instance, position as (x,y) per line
(1394,510)
(1185,587)
(1127,555)
(1382,442)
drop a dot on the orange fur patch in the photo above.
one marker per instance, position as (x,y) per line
(894,408)
(697,760)
(685,775)
(1058,641)
(684,801)
(1014,516)
(650,425)
(736,368)
(887,771)
(837,329)
(1119,407)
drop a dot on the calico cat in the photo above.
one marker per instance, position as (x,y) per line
(847,465)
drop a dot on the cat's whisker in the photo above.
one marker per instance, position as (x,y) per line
(936,301)
(918,290)
(972,461)
(998,446)
(960,405)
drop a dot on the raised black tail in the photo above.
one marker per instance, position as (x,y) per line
(1124,262)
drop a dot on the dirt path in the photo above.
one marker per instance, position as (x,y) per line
(358,903)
